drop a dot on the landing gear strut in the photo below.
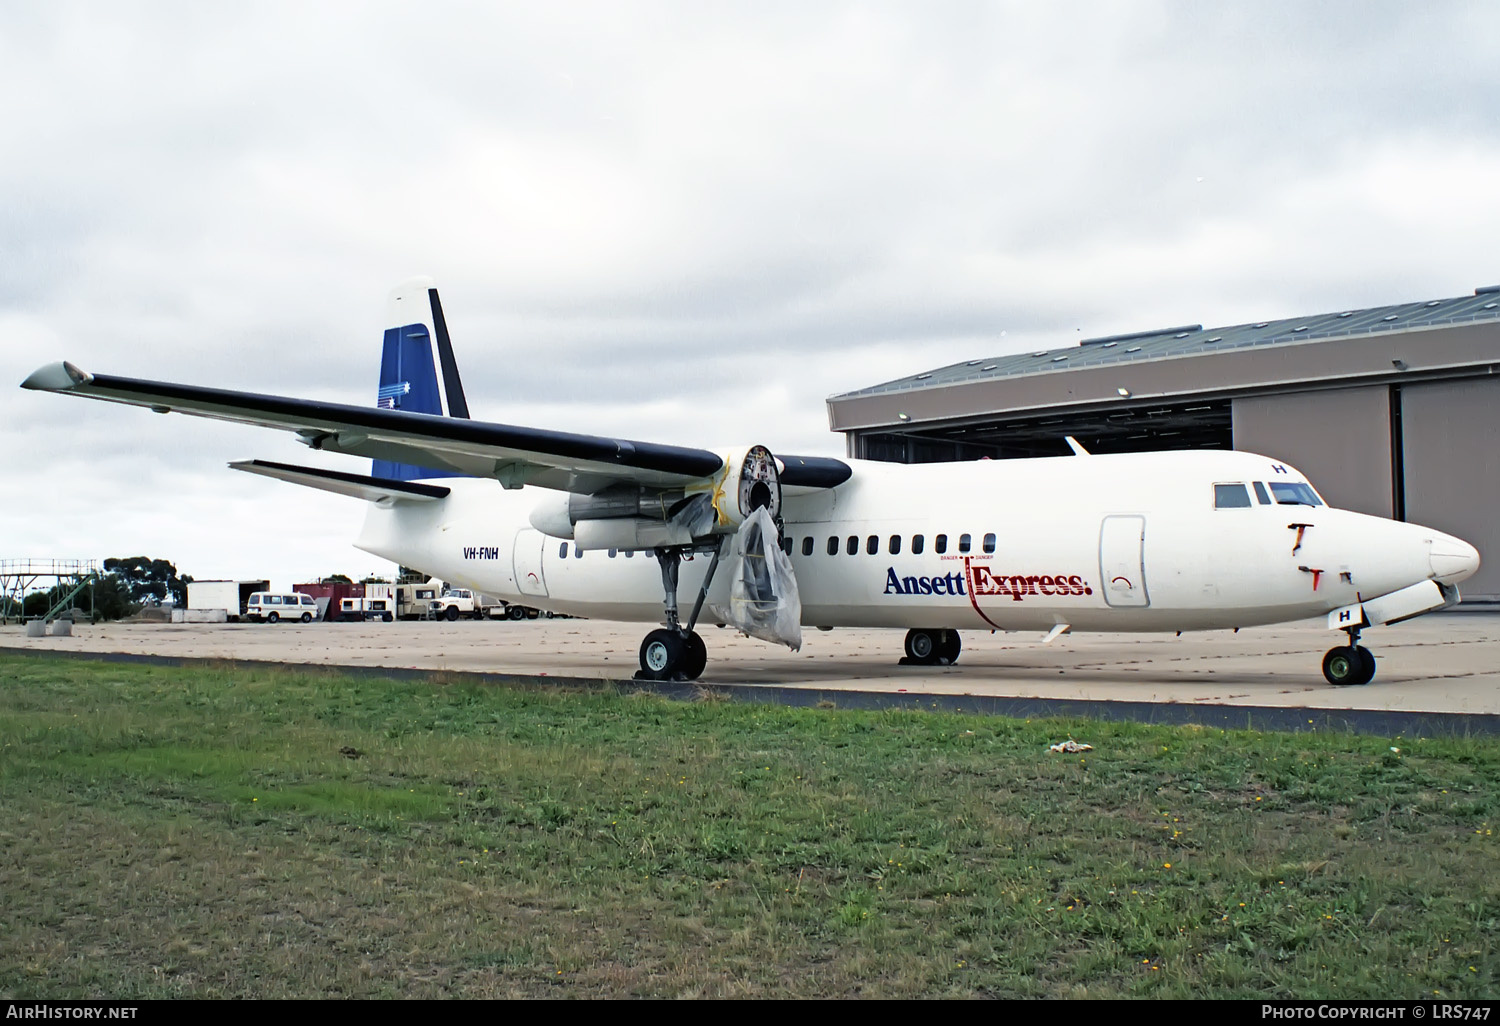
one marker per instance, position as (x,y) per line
(676,652)
(931,647)
(1349,665)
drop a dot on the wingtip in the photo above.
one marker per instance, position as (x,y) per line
(57,377)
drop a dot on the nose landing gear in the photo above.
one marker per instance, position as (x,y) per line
(1349,665)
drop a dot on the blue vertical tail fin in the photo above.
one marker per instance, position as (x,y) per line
(418,372)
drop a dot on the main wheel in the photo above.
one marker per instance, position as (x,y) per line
(272,617)
(694,657)
(661,654)
(452,614)
(1343,666)
(922,646)
(1367,659)
(949,646)
(307,618)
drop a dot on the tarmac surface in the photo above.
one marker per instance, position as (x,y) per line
(1445,663)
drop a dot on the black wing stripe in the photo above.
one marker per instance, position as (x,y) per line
(814,471)
(410,488)
(667,459)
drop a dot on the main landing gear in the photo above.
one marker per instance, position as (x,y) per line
(1349,665)
(931,647)
(676,652)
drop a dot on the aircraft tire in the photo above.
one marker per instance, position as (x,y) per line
(661,654)
(694,657)
(949,645)
(1367,658)
(1343,666)
(922,646)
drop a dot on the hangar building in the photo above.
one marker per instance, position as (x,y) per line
(1393,411)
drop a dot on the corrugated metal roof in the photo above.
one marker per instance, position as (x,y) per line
(1192,340)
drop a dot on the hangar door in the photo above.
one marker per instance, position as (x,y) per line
(1339,437)
(1451,465)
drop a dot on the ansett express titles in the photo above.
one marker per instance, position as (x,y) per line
(979,580)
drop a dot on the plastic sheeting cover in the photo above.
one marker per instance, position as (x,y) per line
(763,599)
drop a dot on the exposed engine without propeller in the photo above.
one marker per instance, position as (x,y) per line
(637,517)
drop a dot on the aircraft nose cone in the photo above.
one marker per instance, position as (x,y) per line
(1453,559)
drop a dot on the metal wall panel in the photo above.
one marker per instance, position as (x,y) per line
(1451,457)
(1340,438)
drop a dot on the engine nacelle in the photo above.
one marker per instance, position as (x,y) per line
(636,517)
(750,480)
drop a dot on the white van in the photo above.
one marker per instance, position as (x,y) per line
(272,607)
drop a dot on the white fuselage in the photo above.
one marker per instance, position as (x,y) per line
(1122,543)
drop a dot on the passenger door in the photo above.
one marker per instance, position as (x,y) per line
(1122,560)
(528,562)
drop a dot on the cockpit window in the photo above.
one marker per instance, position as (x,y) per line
(1295,493)
(1231,496)
(1260,494)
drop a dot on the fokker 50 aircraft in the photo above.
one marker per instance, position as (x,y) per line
(1161,541)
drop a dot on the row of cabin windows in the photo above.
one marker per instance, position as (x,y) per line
(851,545)
(1281,493)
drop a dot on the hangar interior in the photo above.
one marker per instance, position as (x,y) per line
(1390,410)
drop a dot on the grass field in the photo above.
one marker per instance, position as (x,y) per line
(218,833)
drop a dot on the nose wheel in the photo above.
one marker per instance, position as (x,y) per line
(1349,665)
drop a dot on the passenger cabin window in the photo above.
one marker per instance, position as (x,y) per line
(940,544)
(989,543)
(963,543)
(1260,494)
(895,545)
(577,552)
(833,546)
(853,546)
(807,544)
(1295,493)
(872,545)
(562,550)
(786,546)
(1231,496)
(917,543)
(613,553)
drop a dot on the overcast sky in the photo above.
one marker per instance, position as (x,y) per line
(685,223)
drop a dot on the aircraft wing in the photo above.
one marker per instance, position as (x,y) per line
(515,456)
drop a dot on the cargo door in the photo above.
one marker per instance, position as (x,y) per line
(528,562)
(1122,560)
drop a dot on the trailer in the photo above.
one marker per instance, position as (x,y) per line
(230,596)
(367,609)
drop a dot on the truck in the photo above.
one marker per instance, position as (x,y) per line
(453,603)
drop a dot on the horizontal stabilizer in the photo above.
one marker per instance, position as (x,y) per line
(358,486)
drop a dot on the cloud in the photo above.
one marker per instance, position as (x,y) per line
(678,222)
